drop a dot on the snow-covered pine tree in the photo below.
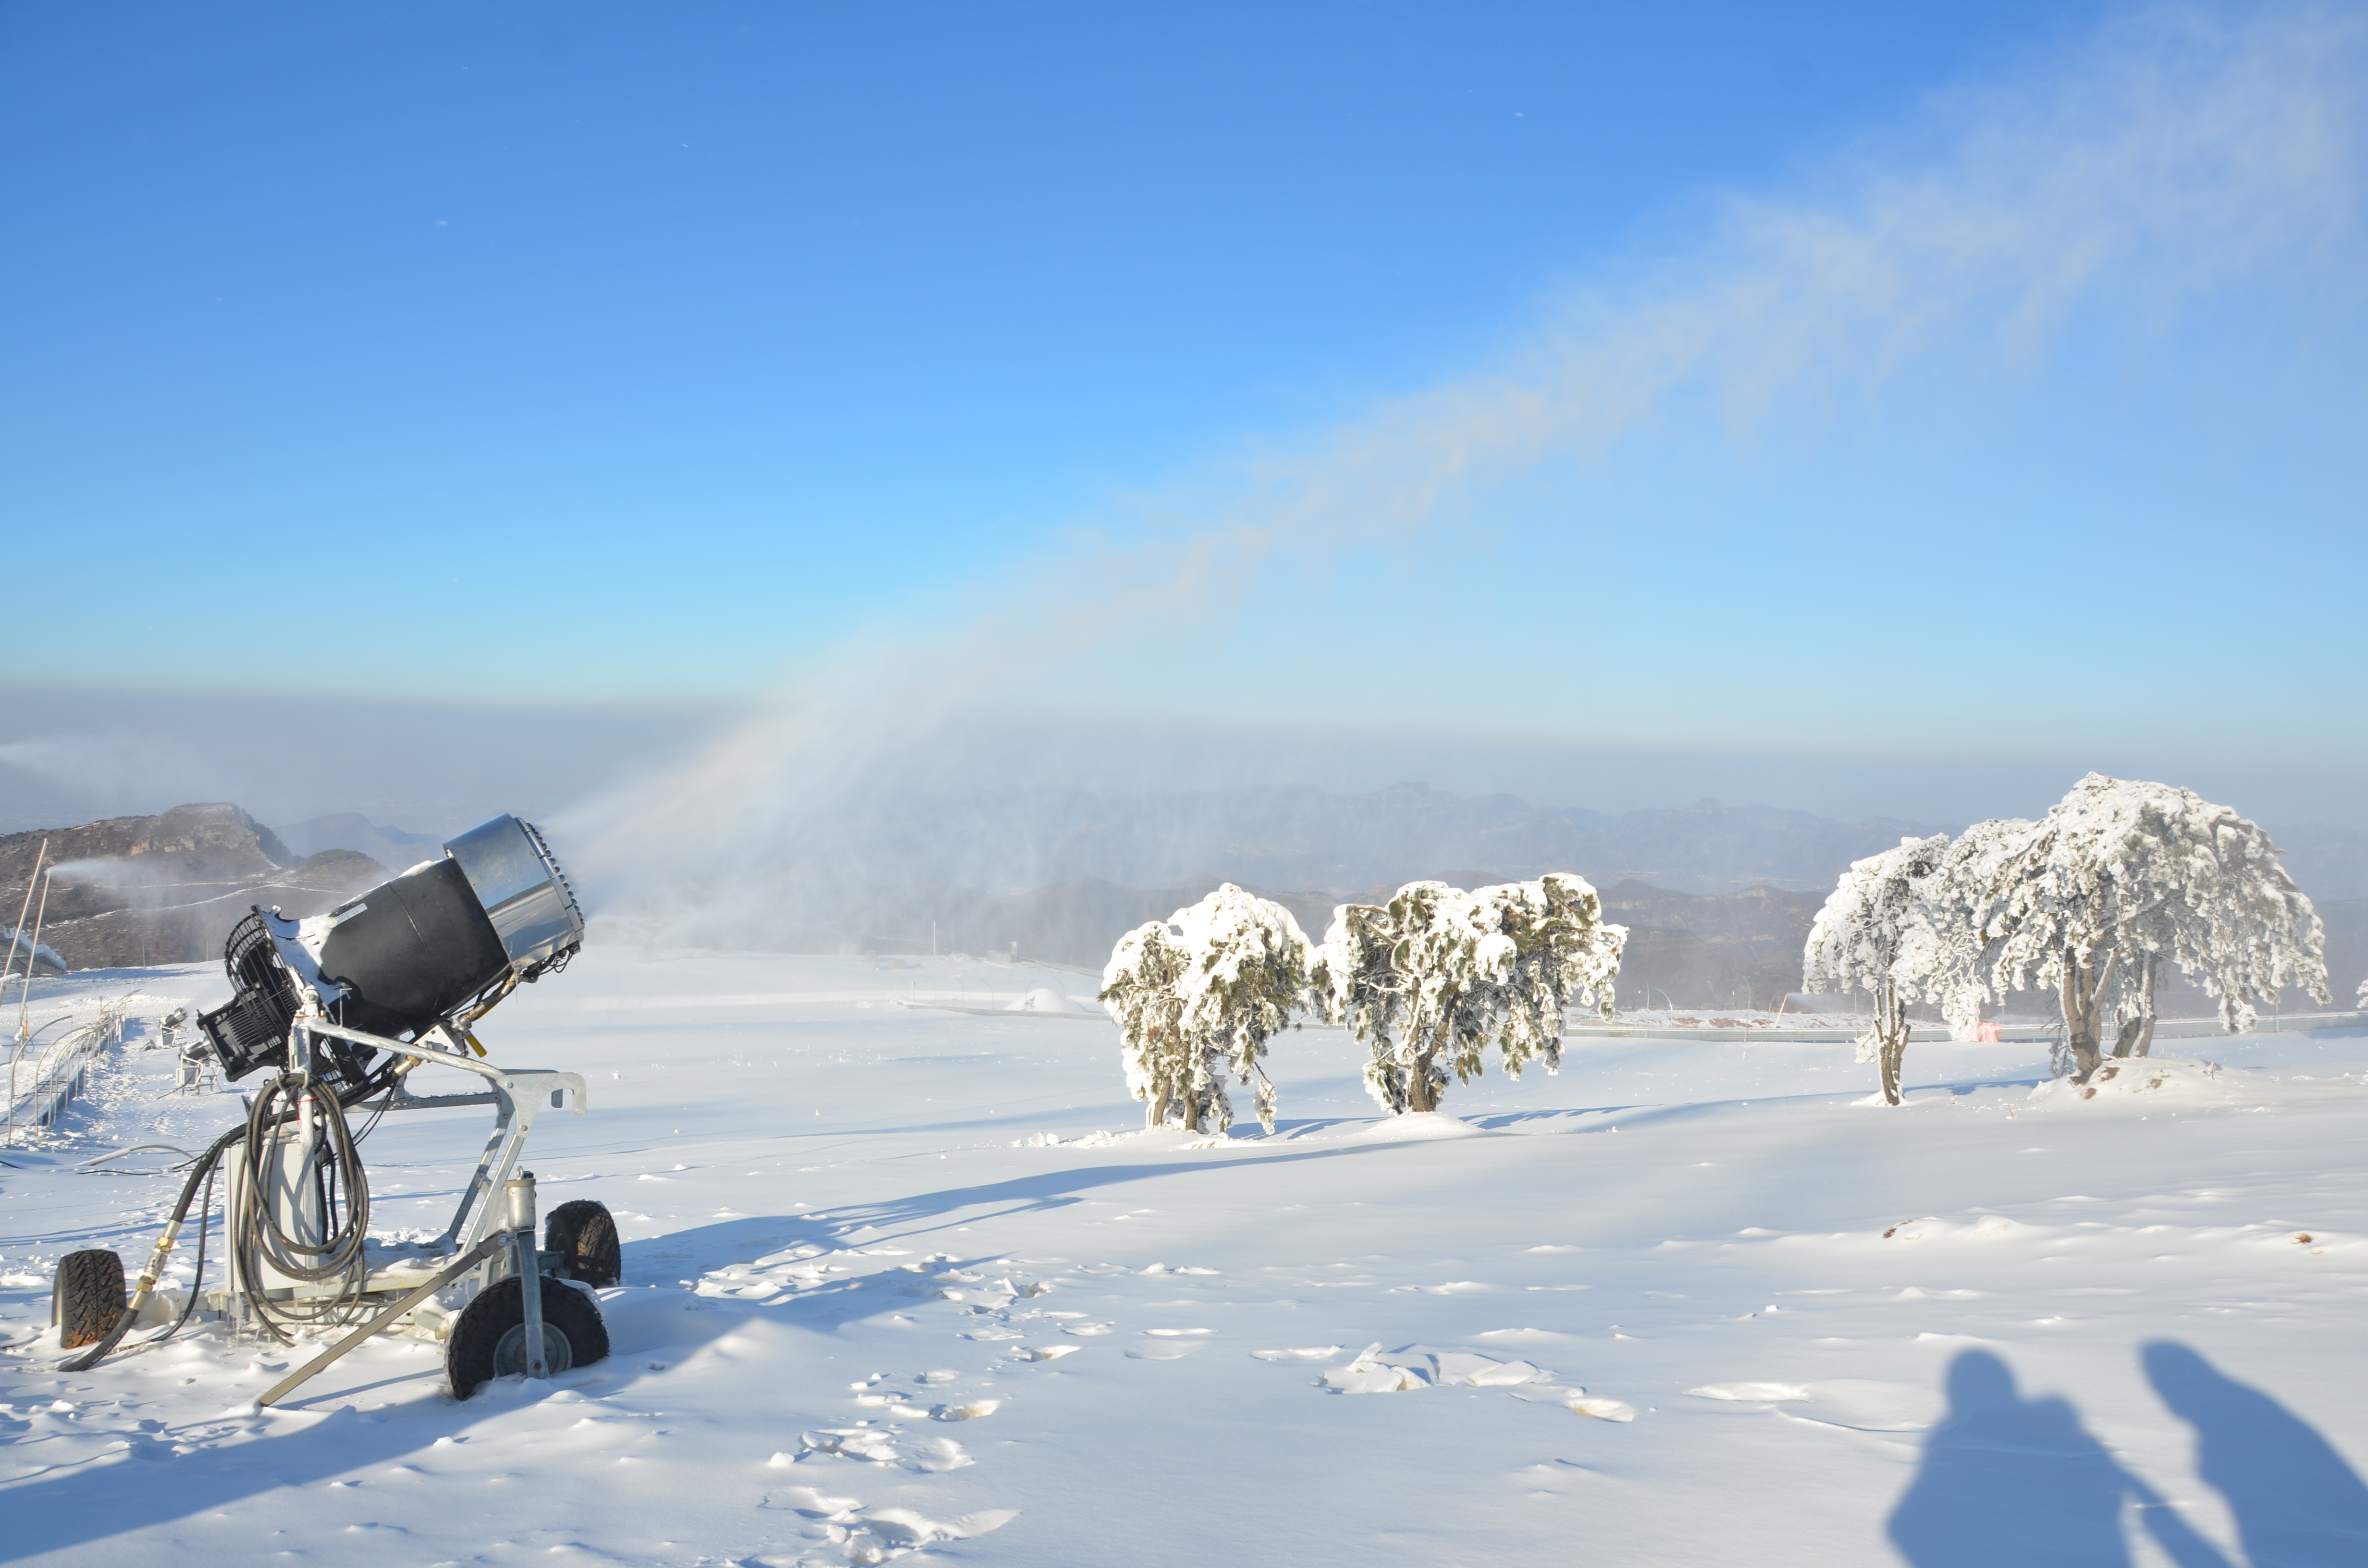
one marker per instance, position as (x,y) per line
(1427,980)
(2124,875)
(1139,986)
(1865,938)
(1202,992)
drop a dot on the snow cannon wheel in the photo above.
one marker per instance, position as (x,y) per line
(90,1297)
(583,1237)
(490,1339)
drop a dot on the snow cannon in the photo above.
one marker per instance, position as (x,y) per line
(448,937)
(344,1009)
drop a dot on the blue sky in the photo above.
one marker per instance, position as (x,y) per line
(1988,376)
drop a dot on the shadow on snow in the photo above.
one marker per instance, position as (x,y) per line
(128,1490)
(2006,1479)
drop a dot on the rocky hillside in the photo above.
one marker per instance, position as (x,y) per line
(166,888)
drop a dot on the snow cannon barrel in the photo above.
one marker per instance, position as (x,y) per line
(411,952)
(523,892)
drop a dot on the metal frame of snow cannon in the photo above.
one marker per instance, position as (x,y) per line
(502,1240)
(419,959)
(517,1093)
(476,1253)
(492,1232)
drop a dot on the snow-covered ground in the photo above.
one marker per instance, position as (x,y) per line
(900,1277)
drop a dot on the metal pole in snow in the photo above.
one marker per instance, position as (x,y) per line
(25,992)
(17,935)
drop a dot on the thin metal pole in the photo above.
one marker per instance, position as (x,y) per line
(33,955)
(17,935)
(25,992)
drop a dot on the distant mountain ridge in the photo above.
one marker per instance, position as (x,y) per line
(389,846)
(166,888)
(1297,837)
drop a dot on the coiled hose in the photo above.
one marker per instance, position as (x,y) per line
(267,1113)
(257,1241)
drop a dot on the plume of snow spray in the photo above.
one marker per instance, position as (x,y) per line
(2175,152)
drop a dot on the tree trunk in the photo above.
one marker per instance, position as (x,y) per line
(1891,1040)
(2084,991)
(1191,1111)
(1162,1041)
(1418,1096)
(2137,1035)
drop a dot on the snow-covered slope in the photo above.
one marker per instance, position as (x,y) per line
(904,1279)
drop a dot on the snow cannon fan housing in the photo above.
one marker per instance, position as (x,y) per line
(411,952)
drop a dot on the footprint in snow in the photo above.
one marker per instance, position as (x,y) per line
(877,1445)
(1766,1393)
(1404,1371)
(1165,1349)
(861,1534)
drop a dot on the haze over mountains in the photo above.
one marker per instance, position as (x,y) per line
(390,847)
(1718,900)
(1298,837)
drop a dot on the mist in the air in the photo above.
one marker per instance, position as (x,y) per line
(1419,592)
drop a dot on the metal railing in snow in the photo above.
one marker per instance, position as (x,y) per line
(44,1078)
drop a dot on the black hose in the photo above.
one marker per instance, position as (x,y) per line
(204,1170)
(197,1275)
(257,1241)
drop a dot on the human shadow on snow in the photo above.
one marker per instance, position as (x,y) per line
(2007,1478)
(2010,1480)
(2297,1503)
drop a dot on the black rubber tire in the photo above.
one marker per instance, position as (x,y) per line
(584,1238)
(500,1307)
(90,1297)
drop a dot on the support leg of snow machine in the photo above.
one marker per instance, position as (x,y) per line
(385,1320)
(518,1234)
(522,1227)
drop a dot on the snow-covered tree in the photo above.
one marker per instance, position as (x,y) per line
(2122,875)
(1429,979)
(1201,993)
(1944,956)
(1872,936)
